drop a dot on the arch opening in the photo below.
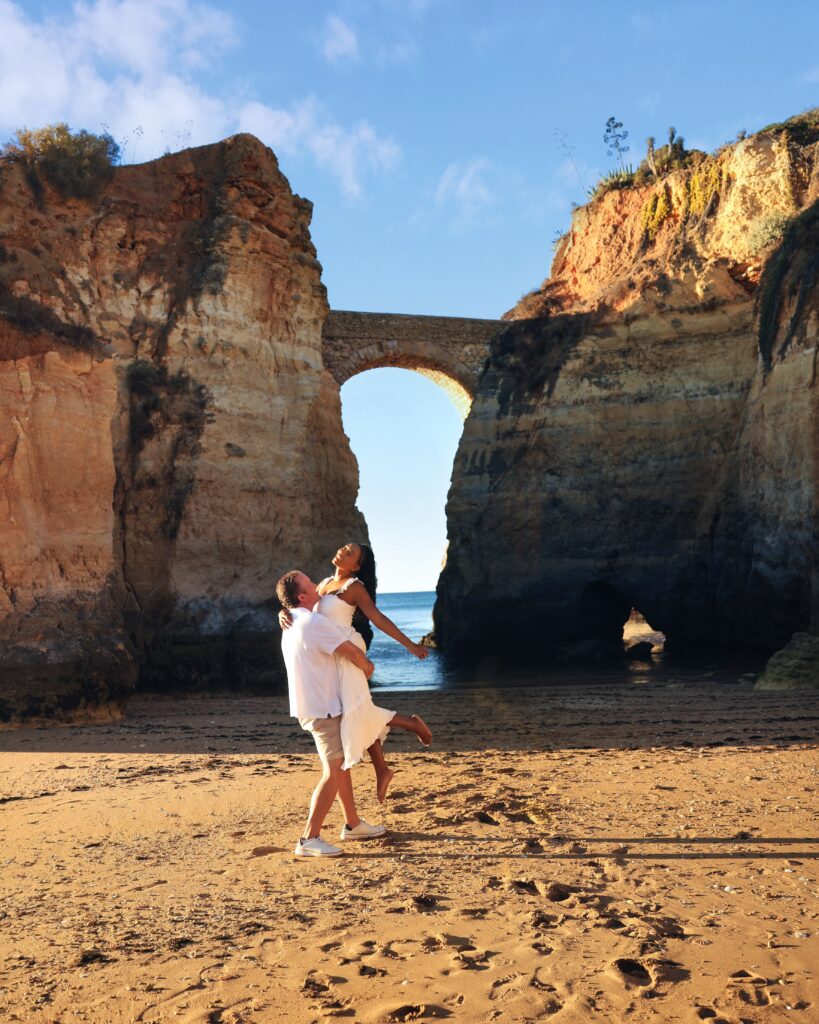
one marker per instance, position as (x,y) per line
(454,389)
(404,430)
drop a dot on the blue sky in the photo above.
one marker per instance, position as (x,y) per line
(426,132)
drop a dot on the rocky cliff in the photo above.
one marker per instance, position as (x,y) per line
(171,441)
(645,431)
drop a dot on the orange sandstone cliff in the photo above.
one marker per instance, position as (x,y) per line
(170,440)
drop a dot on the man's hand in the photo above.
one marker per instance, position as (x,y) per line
(353,653)
(285,618)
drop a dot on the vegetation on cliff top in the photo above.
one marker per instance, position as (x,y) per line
(77,164)
(803,129)
(696,194)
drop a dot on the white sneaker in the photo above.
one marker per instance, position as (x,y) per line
(363,830)
(316,847)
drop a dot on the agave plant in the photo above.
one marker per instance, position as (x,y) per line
(620,178)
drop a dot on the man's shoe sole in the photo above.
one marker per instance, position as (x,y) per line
(305,856)
(353,838)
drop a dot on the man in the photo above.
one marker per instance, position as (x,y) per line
(312,678)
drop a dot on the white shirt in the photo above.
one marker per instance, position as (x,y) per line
(312,674)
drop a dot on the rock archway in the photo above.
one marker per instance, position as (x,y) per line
(449,350)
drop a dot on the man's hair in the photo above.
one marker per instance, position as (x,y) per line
(288,589)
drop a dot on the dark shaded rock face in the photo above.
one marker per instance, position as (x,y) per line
(651,441)
(795,667)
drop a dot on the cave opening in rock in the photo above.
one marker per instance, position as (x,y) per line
(640,639)
(614,623)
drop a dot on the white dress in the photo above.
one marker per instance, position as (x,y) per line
(362,722)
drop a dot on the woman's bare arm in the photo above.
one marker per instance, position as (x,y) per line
(357,594)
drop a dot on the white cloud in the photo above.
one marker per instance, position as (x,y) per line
(387,55)
(464,187)
(131,65)
(339,42)
(346,153)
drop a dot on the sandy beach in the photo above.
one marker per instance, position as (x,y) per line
(587,854)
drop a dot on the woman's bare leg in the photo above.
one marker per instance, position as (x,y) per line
(413,723)
(383,773)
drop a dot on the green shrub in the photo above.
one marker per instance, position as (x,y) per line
(767,231)
(78,164)
(612,181)
(143,377)
(803,128)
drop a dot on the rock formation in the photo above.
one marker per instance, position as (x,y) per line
(645,432)
(170,441)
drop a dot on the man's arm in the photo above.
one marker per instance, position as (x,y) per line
(354,654)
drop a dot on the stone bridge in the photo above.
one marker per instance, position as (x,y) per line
(450,350)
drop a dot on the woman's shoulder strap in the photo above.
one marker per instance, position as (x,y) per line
(347,583)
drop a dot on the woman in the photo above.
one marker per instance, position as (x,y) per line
(347,598)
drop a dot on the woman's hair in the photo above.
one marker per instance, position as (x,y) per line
(366,574)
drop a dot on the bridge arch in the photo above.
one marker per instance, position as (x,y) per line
(451,351)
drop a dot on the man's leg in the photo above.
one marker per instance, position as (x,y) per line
(346,798)
(323,796)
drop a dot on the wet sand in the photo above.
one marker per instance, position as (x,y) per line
(586,854)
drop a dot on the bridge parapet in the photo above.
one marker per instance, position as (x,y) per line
(449,350)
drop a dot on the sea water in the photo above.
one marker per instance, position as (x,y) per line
(397,669)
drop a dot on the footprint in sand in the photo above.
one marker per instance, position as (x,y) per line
(750,989)
(524,887)
(477,961)
(557,893)
(413,1011)
(319,988)
(632,972)
(368,971)
(426,902)
(485,818)
(460,943)
(526,994)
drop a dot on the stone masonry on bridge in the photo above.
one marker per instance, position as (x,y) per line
(449,350)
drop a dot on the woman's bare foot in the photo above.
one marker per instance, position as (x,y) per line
(382,783)
(422,731)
